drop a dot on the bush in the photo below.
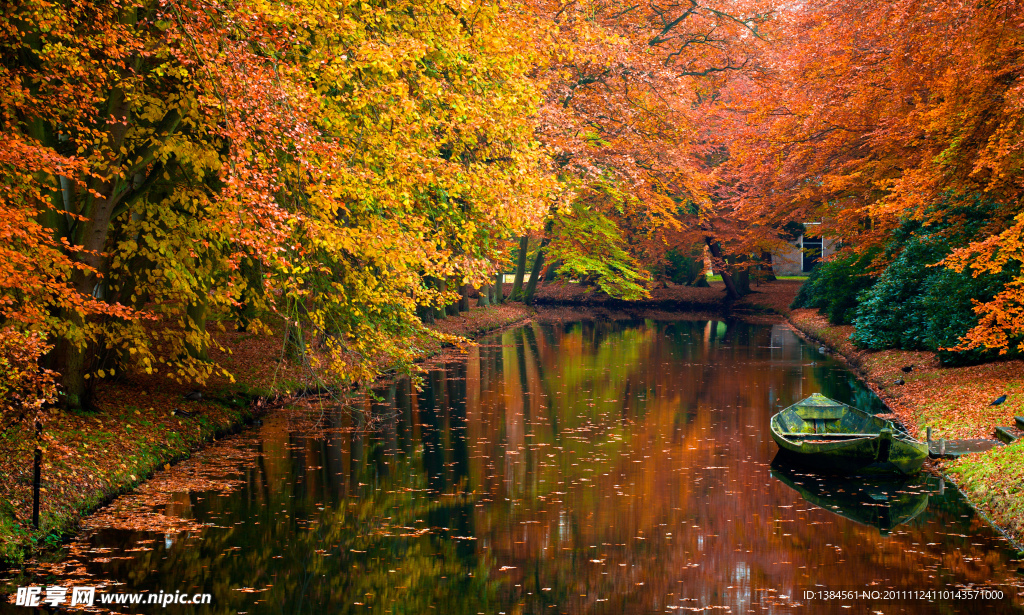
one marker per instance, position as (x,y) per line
(833,286)
(807,296)
(684,266)
(948,300)
(891,314)
(919,305)
(915,304)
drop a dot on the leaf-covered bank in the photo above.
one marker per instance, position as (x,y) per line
(146,422)
(954,401)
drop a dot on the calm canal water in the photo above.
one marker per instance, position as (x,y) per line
(588,467)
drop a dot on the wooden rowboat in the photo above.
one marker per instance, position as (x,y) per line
(830,435)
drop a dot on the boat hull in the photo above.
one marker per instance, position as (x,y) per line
(859,456)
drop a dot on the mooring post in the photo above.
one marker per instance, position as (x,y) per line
(942,486)
(37,474)
(929,432)
(942,447)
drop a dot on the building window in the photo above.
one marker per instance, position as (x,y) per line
(811,252)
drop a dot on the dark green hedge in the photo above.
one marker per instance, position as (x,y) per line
(916,303)
(833,286)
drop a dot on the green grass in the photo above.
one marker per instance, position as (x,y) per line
(992,480)
(718,278)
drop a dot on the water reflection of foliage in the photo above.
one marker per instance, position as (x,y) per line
(567,465)
(365,552)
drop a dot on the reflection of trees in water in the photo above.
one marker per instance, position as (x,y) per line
(386,539)
(625,462)
(696,399)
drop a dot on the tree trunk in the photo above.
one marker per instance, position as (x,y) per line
(741,279)
(551,271)
(426,314)
(71,361)
(538,264)
(443,311)
(768,267)
(464,300)
(294,339)
(499,287)
(517,285)
(252,272)
(453,307)
(196,311)
(439,287)
(719,264)
(98,207)
(485,296)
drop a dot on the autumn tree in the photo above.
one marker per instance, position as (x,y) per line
(167,161)
(868,115)
(627,93)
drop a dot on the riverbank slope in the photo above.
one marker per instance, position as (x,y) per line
(146,422)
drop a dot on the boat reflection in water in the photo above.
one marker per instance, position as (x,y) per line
(878,501)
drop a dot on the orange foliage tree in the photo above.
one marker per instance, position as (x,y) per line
(869,114)
(628,88)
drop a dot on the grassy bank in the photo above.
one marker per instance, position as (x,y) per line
(145,422)
(954,401)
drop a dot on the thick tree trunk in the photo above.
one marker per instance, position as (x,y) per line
(517,285)
(485,296)
(71,362)
(98,208)
(464,300)
(551,271)
(252,272)
(439,312)
(453,307)
(196,311)
(426,314)
(499,287)
(294,338)
(538,264)
(443,311)
(741,279)
(768,267)
(740,273)
(719,264)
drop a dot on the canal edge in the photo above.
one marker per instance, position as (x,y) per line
(21,544)
(856,367)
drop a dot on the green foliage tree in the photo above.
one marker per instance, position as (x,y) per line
(590,248)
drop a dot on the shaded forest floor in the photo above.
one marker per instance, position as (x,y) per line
(145,422)
(954,401)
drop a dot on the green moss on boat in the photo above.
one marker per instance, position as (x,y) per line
(830,435)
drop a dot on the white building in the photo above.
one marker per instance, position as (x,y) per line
(804,253)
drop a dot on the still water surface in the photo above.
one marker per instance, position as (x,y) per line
(588,467)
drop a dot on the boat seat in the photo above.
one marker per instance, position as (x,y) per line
(820,414)
(834,436)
